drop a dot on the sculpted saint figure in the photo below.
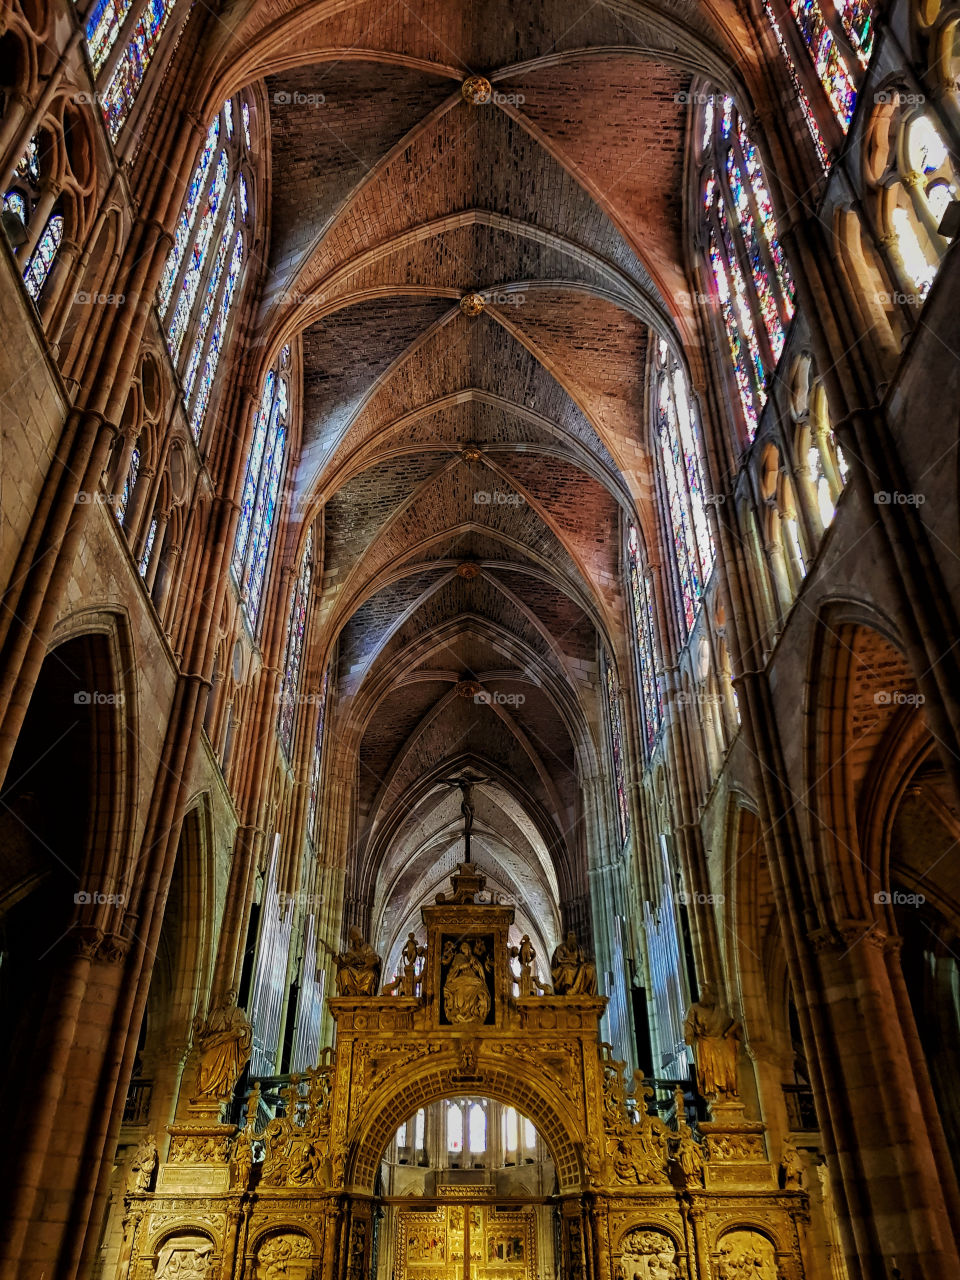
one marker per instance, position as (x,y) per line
(224,1043)
(573,974)
(358,968)
(715,1037)
(527,982)
(791,1166)
(144,1165)
(465,994)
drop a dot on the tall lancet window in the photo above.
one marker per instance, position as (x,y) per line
(21,199)
(678,437)
(261,487)
(293,656)
(641,597)
(745,258)
(615,728)
(122,38)
(201,277)
(316,762)
(838,36)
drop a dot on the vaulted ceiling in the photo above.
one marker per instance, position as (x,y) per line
(472,465)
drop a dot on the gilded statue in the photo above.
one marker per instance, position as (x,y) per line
(144,1165)
(358,968)
(572,972)
(223,1043)
(466,997)
(687,1154)
(715,1036)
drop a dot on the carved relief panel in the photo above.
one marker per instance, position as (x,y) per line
(649,1255)
(746,1253)
(286,1256)
(186,1257)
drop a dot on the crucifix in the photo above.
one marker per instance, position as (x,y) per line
(466,786)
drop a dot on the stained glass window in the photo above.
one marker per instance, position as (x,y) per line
(511,1135)
(314,799)
(103,27)
(121,90)
(16,203)
(188,215)
(41,260)
(261,487)
(678,439)
(201,276)
(529,1134)
(838,35)
(144,563)
(615,724)
(644,630)
(293,654)
(750,273)
(808,113)
(129,485)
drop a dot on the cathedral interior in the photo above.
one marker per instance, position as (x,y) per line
(470,556)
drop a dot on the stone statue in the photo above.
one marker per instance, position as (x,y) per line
(224,1042)
(144,1165)
(529,984)
(791,1166)
(410,954)
(358,968)
(242,1163)
(715,1036)
(573,974)
(688,1155)
(466,997)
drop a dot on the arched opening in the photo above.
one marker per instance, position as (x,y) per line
(466,1175)
(53,807)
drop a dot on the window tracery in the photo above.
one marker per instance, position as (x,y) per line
(682,463)
(23,198)
(615,728)
(293,653)
(749,270)
(117,20)
(641,597)
(261,487)
(200,280)
(914,180)
(317,762)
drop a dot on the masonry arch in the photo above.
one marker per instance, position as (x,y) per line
(403,1095)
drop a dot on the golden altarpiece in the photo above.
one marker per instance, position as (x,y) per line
(635,1198)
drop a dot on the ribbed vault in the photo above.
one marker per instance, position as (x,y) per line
(472,469)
